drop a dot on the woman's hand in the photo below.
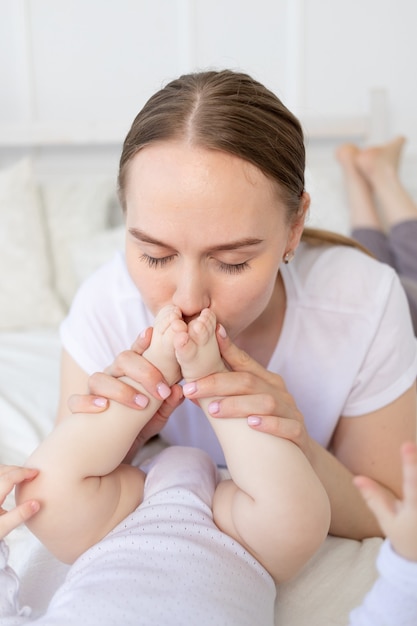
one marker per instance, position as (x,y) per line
(10,476)
(250,391)
(105,386)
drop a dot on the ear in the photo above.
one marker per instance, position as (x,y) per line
(297,226)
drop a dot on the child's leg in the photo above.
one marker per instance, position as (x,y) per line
(379,165)
(362,209)
(274,505)
(83,490)
(366,226)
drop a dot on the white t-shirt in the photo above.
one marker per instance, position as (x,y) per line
(347,345)
(165,563)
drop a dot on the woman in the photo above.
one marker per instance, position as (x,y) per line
(320,350)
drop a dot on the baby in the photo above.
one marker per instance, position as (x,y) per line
(273,511)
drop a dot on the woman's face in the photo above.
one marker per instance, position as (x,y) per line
(204,229)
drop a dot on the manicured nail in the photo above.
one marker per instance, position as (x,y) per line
(254,420)
(189,388)
(141,400)
(213,408)
(222,331)
(163,390)
(101,402)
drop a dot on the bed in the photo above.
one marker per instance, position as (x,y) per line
(56,229)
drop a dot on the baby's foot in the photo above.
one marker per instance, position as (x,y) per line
(379,161)
(161,351)
(197,350)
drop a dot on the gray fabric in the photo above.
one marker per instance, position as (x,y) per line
(403,243)
(399,250)
(376,242)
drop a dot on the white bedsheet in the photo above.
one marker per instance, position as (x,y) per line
(334,581)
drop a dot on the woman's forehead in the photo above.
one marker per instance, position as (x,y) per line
(178,174)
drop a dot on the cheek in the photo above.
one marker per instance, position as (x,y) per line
(240,306)
(154,291)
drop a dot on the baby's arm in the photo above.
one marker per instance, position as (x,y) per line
(83,488)
(393,598)
(274,505)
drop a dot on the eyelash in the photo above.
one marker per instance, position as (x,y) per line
(224,267)
(154,262)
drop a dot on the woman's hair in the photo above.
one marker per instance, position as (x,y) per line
(232,112)
(227,111)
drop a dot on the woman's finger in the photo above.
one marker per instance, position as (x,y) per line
(87,403)
(143,341)
(131,365)
(238,360)
(226,384)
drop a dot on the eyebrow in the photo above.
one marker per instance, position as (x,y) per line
(232,245)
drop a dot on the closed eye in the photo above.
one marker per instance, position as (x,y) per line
(228,268)
(154,261)
(236,268)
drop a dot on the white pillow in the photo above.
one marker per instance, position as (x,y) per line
(328,208)
(90,254)
(75,211)
(27,296)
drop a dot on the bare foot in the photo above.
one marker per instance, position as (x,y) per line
(346,154)
(161,352)
(379,165)
(377,162)
(362,209)
(197,350)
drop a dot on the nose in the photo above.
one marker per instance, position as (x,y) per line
(192,292)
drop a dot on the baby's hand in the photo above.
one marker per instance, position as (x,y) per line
(397,518)
(10,476)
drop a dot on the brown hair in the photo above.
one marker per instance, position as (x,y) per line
(231,112)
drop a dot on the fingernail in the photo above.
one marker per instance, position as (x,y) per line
(222,331)
(163,390)
(35,506)
(141,400)
(213,408)
(142,335)
(254,420)
(189,388)
(100,402)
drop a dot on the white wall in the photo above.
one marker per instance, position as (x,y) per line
(92,63)
(78,70)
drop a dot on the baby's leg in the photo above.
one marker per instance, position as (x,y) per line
(274,505)
(83,487)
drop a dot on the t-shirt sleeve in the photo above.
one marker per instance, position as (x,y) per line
(106,316)
(389,366)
